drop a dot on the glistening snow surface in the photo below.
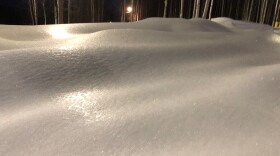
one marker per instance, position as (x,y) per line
(154,87)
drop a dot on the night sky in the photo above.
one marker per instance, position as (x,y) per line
(14,12)
(17,11)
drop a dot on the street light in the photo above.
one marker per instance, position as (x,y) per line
(129,9)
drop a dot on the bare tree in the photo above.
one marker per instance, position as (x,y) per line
(223,7)
(69,11)
(211,8)
(44,12)
(92,10)
(123,11)
(31,11)
(206,9)
(58,11)
(194,8)
(197,9)
(55,12)
(278,13)
(182,9)
(132,11)
(35,11)
(251,10)
(275,13)
(165,8)
(264,11)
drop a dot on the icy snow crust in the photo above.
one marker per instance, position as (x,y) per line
(154,87)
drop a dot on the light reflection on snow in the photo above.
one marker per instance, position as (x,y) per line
(276,38)
(86,104)
(59,32)
(71,44)
(67,48)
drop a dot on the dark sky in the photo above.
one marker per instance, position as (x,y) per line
(17,11)
(13,12)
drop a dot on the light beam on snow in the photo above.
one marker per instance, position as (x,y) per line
(59,32)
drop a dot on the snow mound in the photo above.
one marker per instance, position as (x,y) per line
(241,25)
(153,87)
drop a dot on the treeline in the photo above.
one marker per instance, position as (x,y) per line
(260,11)
(77,11)
(65,11)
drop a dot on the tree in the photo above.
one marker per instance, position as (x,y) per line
(251,10)
(182,8)
(206,8)
(31,11)
(264,8)
(92,10)
(35,11)
(194,8)
(165,8)
(276,12)
(197,9)
(211,8)
(58,13)
(132,11)
(69,11)
(44,12)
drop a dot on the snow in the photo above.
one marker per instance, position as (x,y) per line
(153,87)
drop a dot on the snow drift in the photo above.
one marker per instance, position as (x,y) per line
(154,87)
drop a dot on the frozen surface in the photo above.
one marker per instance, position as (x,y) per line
(154,87)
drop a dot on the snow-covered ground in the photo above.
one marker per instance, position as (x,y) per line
(154,87)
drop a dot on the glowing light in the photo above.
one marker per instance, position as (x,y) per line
(129,9)
(59,32)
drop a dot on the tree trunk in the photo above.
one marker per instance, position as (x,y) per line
(124,8)
(237,10)
(102,10)
(31,12)
(137,10)
(278,13)
(258,12)
(35,12)
(165,8)
(197,9)
(251,10)
(170,8)
(92,10)
(275,13)
(132,6)
(265,10)
(60,11)
(223,8)
(194,8)
(182,9)
(69,11)
(55,12)
(44,10)
(211,8)
(206,8)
